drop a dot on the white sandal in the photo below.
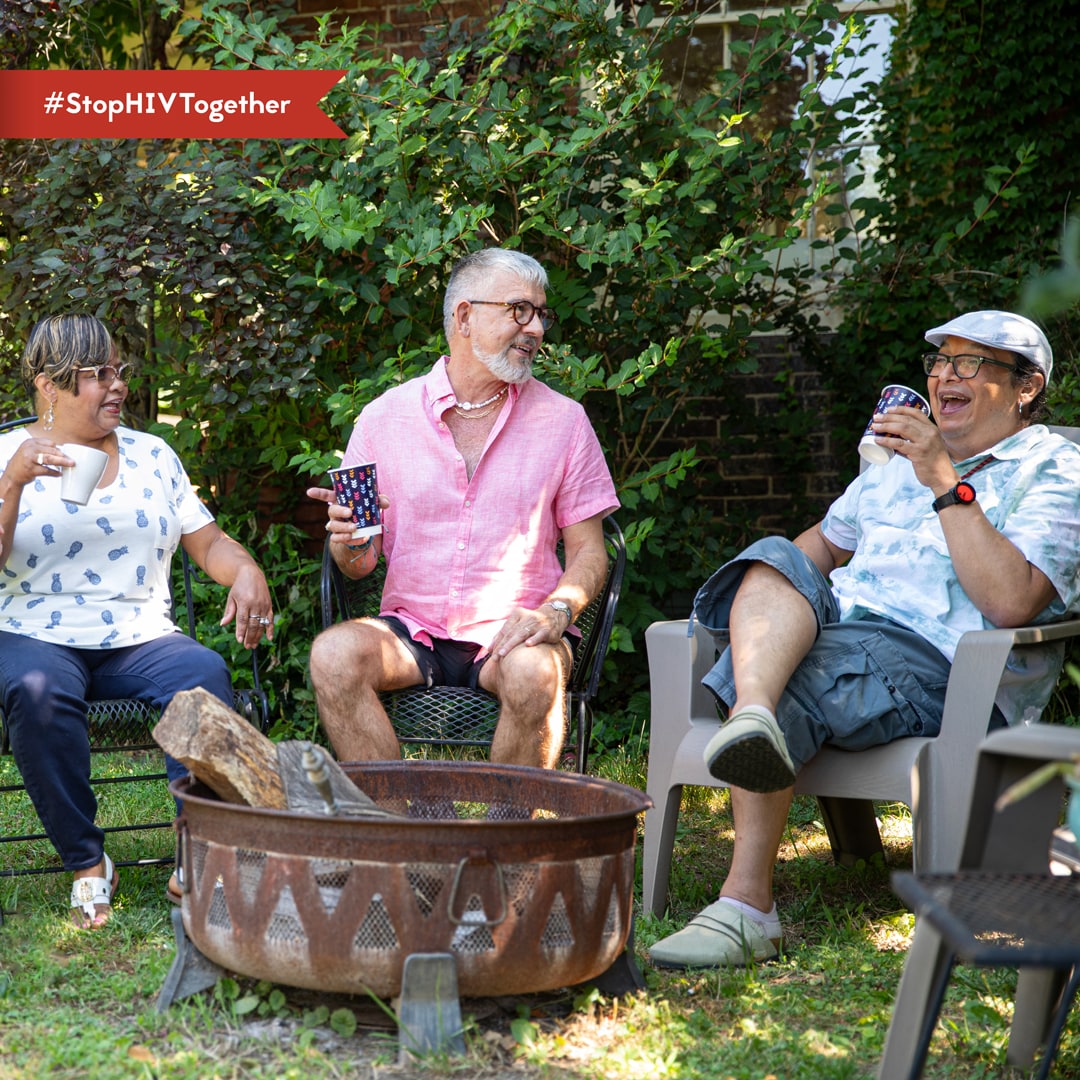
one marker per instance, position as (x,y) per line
(88,892)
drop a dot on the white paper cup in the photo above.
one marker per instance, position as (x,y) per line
(77,482)
(356,488)
(893,395)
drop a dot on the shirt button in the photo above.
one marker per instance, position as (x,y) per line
(461,547)
(468,502)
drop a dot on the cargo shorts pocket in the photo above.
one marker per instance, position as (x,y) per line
(864,691)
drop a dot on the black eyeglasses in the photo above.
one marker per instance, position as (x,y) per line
(107,373)
(964,365)
(523,311)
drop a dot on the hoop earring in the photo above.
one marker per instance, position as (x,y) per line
(50,417)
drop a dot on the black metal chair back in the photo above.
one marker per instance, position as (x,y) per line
(454,716)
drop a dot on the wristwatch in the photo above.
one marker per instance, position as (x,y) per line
(564,607)
(962,493)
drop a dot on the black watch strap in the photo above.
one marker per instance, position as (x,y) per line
(963,493)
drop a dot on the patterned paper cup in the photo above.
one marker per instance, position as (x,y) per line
(891,396)
(355,488)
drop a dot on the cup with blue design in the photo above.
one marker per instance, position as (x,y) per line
(355,487)
(893,395)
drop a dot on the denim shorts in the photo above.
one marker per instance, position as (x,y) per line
(864,682)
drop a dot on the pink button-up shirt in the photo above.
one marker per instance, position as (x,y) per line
(461,553)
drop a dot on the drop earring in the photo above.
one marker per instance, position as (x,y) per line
(50,417)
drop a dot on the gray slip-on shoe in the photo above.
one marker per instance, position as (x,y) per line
(720,936)
(750,752)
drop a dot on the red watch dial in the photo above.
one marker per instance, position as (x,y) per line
(965,492)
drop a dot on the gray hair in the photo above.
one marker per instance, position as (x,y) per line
(61,344)
(1038,410)
(470,274)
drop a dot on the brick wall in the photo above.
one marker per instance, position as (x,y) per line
(403,18)
(753,469)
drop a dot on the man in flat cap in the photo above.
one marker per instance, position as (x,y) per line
(846,635)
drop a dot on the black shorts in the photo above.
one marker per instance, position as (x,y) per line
(448,663)
(443,663)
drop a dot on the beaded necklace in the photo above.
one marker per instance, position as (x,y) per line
(468,409)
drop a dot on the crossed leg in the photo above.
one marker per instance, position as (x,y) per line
(772,628)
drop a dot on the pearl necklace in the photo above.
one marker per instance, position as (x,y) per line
(468,409)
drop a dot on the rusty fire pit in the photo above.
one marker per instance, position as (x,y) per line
(524,876)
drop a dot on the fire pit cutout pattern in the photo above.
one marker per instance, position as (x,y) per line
(535,896)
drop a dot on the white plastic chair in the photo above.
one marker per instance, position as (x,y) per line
(932,776)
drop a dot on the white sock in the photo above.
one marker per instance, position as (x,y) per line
(769,921)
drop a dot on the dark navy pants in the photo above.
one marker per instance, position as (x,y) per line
(44,689)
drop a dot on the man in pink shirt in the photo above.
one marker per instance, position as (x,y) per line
(481,470)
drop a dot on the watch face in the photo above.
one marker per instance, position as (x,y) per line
(965,492)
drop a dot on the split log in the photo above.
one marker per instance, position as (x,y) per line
(222,749)
(241,765)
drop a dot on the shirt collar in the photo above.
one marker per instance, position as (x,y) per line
(440,393)
(1014,446)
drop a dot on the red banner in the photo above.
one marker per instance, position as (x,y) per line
(253,104)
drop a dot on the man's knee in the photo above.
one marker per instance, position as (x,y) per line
(356,653)
(334,653)
(538,673)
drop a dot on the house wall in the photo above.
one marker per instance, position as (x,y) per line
(778,486)
(403,19)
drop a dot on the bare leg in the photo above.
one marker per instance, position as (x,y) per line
(530,683)
(759,827)
(772,628)
(350,662)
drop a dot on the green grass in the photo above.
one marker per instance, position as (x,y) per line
(83,1004)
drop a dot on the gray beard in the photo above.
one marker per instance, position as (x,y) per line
(502,367)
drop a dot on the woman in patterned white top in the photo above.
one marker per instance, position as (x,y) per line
(85,607)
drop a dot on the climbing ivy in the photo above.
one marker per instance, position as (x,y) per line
(980,142)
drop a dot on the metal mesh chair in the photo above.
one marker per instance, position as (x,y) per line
(123,726)
(453,716)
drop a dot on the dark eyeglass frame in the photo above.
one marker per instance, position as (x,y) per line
(548,318)
(932,360)
(122,372)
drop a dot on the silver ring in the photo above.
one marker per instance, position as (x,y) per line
(262,620)
(41,459)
